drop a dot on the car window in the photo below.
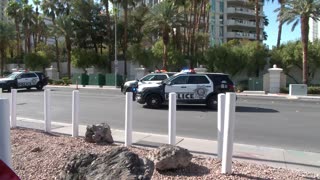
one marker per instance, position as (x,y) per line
(31,75)
(180,80)
(147,77)
(24,76)
(198,80)
(13,75)
(159,77)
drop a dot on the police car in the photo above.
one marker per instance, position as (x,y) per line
(28,80)
(152,78)
(190,88)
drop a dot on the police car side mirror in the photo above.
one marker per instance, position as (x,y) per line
(169,83)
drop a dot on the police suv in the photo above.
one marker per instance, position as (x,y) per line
(20,80)
(152,78)
(201,88)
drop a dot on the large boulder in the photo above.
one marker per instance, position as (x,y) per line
(100,133)
(170,157)
(119,163)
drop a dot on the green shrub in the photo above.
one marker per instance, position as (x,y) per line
(58,82)
(313,90)
(284,90)
(242,86)
(50,81)
(66,80)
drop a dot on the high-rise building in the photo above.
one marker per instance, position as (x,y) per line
(234,19)
(314,30)
(3,6)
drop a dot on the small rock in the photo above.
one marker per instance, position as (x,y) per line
(37,149)
(168,157)
(100,133)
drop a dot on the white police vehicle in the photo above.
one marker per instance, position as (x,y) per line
(152,78)
(18,80)
(190,88)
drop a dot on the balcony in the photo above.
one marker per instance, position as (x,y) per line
(244,1)
(243,23)
(243,35)
(245,11)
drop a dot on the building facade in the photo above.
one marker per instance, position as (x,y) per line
(3,6)
(314,30)
(233,19)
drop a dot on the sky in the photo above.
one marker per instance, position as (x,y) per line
(272,28)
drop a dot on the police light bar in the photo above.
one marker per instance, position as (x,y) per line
(188,71)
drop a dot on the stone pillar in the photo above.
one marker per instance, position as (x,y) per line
(52,73)
(140,72)
(274,79)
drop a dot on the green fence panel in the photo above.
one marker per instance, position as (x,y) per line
(110,79)
(255,84)
(82,79)
(97,79)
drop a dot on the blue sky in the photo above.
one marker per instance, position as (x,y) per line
(272,28)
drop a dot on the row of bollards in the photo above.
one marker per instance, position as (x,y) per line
(226,118)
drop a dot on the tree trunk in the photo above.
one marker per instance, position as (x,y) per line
(125,38)
(257,10)
(68,47)
(165,38)
(304,38)
(2,60)
(57,55)
(280,28)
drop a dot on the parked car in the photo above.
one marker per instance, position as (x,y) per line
(152,78)
(194,88)
(28,80)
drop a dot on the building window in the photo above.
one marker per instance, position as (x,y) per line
(221,6)
(221,19)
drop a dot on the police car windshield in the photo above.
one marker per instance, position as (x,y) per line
(12,75)
(146,78)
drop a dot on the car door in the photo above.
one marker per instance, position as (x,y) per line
(179,86)
(200,86)
(22,80)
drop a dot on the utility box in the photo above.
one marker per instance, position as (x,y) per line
(97,79)
(298,90)
(82,79)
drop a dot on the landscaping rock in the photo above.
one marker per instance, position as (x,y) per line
(119,163)
(100,133)
(169,157)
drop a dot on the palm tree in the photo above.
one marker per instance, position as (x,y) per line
(50,9)
(14,10)
(36,35)
(27,22)
(295,11)
(6,35)
(281,2)
(163,17)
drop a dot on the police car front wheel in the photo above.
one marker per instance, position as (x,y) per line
(39,86)
(153,101)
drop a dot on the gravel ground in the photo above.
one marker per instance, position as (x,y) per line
(37,155)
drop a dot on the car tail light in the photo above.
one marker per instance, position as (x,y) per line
(231,87)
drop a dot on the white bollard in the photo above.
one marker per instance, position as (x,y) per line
(230,109)
(47,113)
(5,145)
(13,108)
(75,113)
(172,118)
(220,123)
(128,123)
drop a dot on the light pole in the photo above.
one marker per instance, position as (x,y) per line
(115,46)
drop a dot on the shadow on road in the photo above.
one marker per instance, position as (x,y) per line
(255,109)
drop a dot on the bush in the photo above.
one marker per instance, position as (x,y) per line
(284,90)
(242,86)
(50,81)
(66,80)
(313,90)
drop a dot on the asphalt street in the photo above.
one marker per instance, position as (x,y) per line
(271,122)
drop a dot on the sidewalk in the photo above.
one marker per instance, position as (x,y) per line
(280,158)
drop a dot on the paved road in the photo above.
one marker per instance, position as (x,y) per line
(288,124)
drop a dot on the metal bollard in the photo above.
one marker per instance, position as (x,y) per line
(220,123)
(172,117)
(230,109)
(75,113)
(47,113)
(128,120)
(5,145)
(13,108)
